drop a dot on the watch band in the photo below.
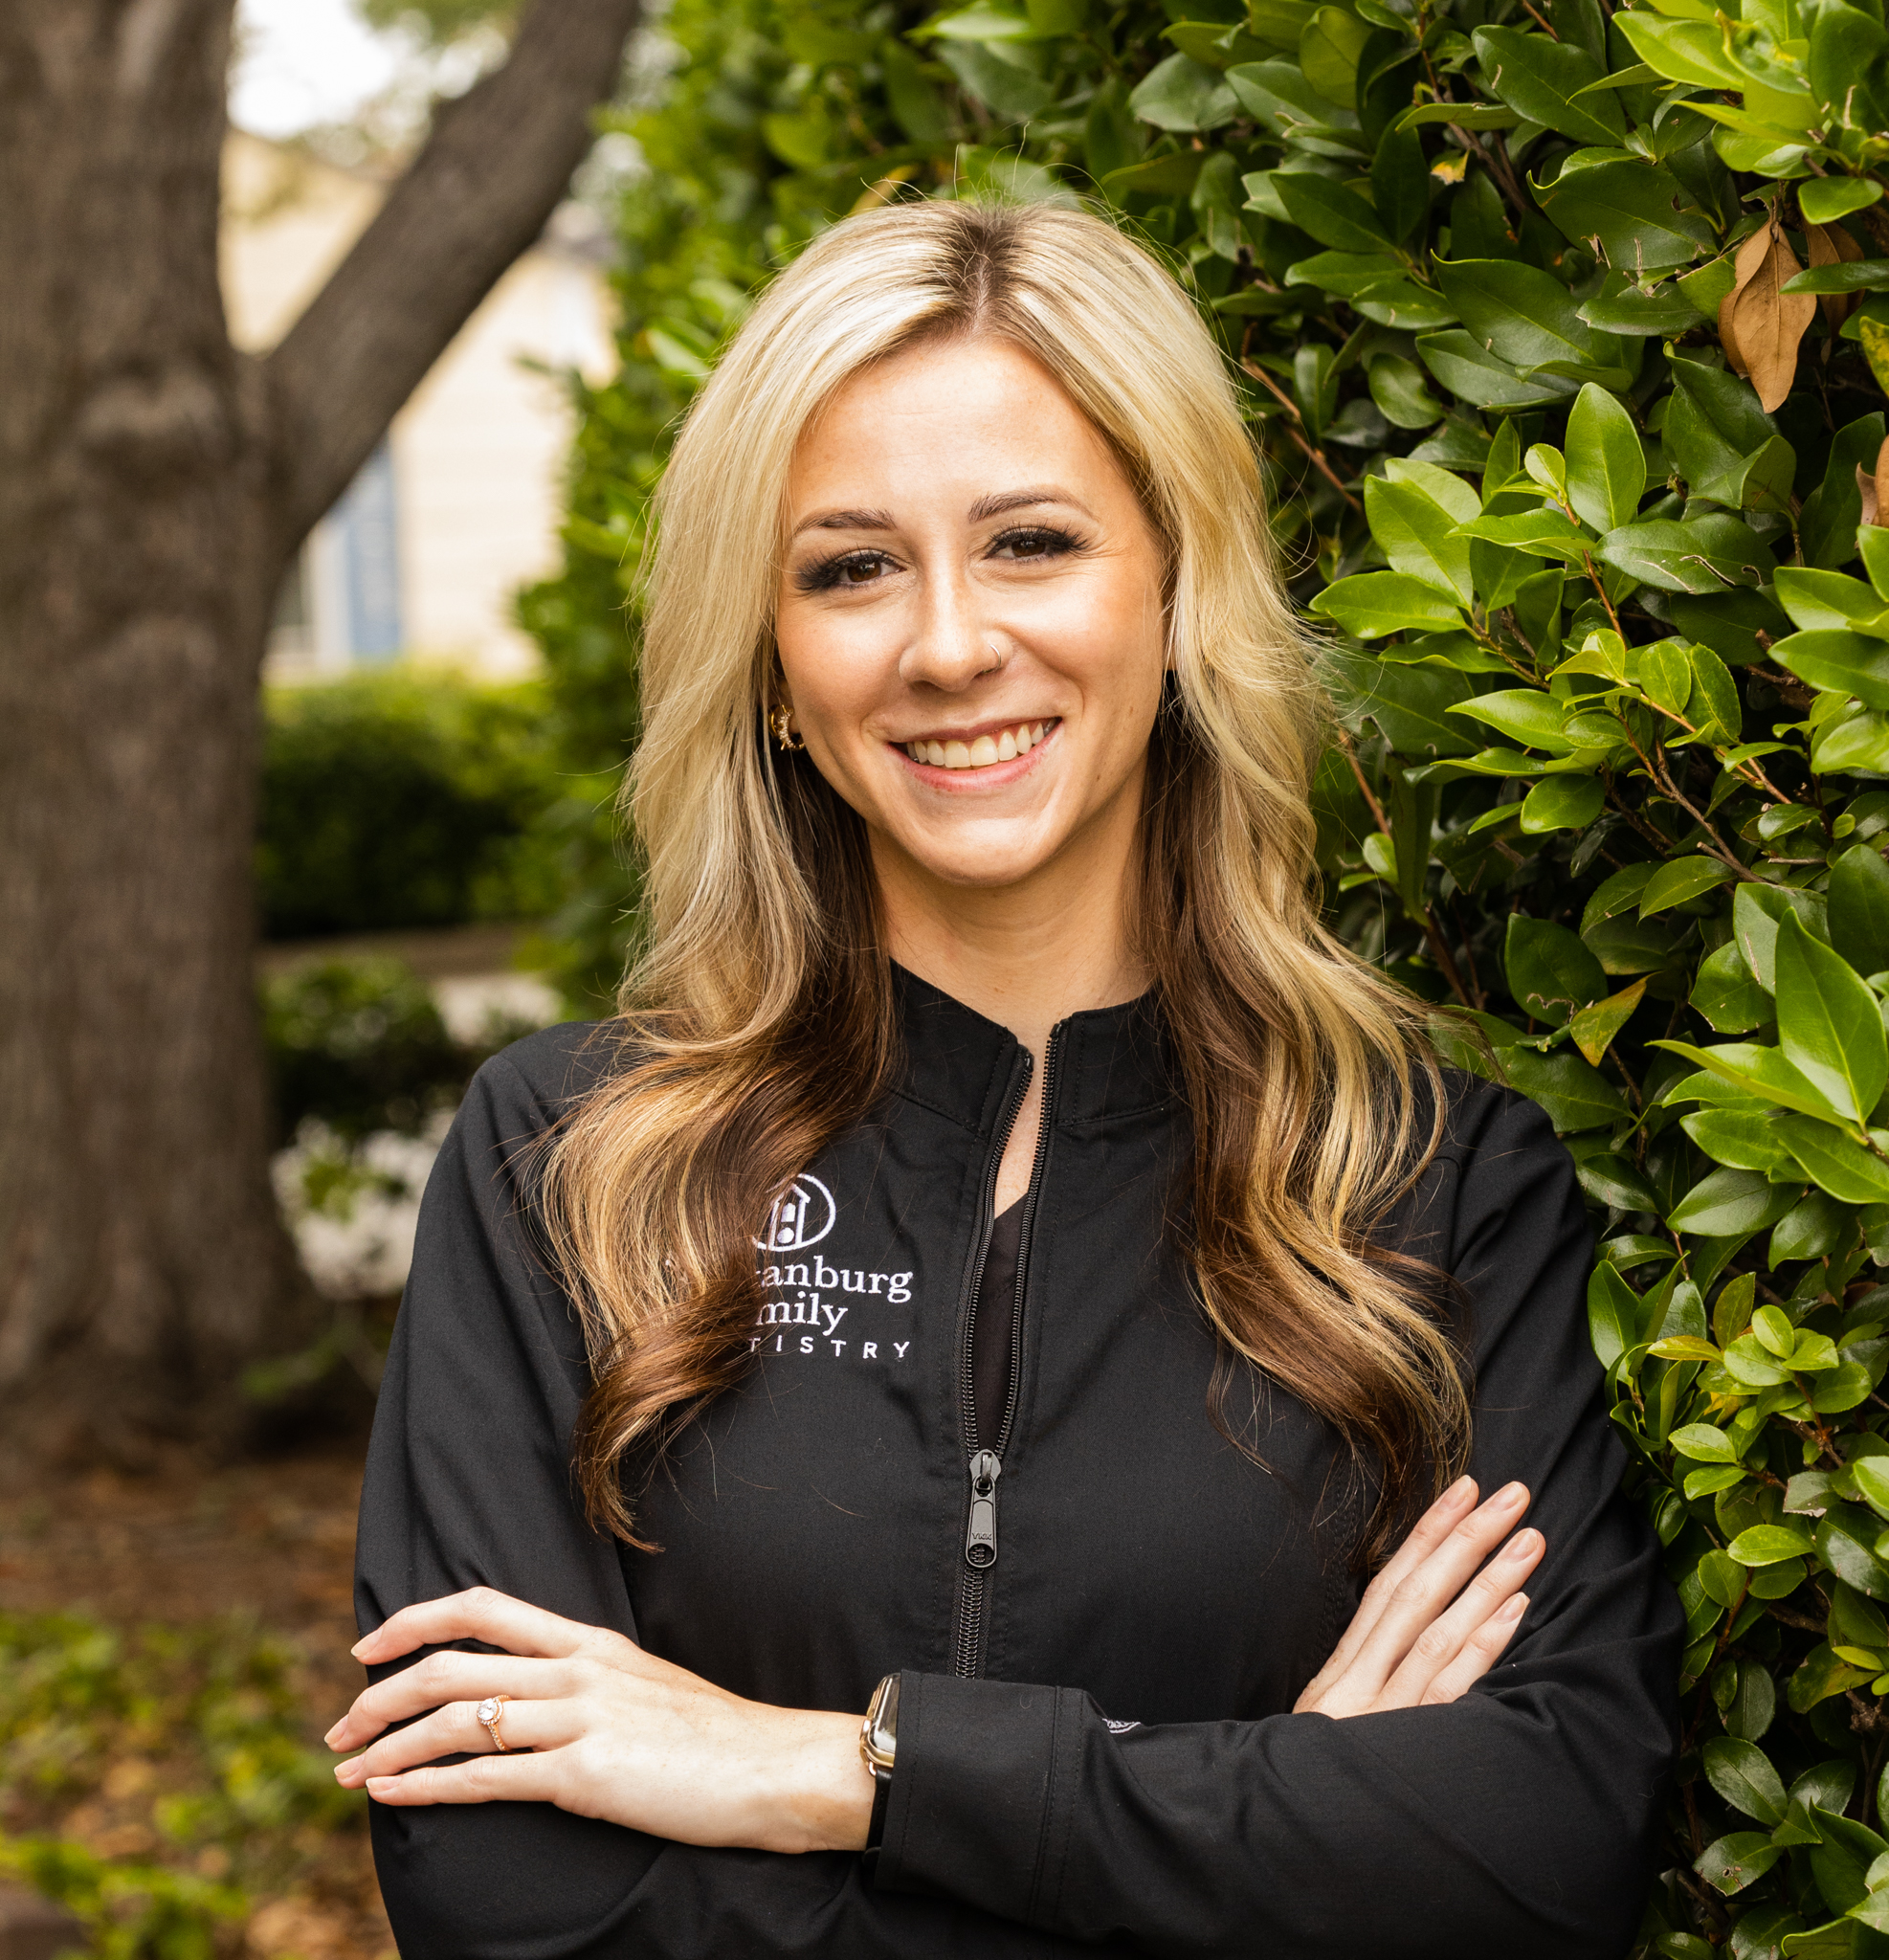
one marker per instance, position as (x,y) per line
(878,1734)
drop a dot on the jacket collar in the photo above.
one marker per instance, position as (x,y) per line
(1110,1060)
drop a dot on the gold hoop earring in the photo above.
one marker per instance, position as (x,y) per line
(780,724)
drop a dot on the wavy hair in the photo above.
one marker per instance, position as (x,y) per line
(758,1022)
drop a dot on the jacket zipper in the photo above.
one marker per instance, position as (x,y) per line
(987,1463)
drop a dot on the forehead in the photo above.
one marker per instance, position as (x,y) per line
(946,418)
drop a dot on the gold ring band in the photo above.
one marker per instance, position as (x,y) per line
(491,1712)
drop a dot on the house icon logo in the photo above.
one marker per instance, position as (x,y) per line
(803,1215)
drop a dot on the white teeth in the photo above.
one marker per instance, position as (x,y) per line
(1005,746)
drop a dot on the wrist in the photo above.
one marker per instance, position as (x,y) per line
(823,1792)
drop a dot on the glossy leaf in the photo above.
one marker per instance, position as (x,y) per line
(1606,464)
(1830,1025)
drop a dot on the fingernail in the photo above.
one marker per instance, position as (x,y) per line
(329,1738)
(1512,1494)
(1463,1486)
(1524,1544)
(382,1785)
(1514,1607)
(355,1650)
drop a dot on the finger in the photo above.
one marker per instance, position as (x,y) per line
(1428,1532)
(1479,1654)
(1436,1649)
(439,1679)
(456,1730)
(478,1614)
(1425,1592)
(534,1778)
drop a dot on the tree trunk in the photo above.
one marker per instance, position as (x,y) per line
(153,483)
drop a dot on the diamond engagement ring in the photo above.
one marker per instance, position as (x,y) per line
(491,1712)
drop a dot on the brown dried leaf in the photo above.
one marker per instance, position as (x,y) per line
(1751,254)
(1876,489)
(1832,245)
(1767,323)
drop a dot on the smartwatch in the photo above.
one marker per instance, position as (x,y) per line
(878,1745)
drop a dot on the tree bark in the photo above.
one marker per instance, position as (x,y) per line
(153,484)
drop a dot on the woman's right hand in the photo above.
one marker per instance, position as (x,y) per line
(1430,1623)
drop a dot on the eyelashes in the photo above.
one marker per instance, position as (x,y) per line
(1032,544)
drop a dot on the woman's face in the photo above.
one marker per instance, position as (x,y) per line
(969,616)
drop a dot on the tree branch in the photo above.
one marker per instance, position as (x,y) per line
(478,193)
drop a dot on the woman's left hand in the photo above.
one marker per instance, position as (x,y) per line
(595,1725)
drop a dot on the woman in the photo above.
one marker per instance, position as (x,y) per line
(1005,1252)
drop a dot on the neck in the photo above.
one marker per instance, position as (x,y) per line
(1025,955)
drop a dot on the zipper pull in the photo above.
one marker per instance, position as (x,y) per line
(980,1539)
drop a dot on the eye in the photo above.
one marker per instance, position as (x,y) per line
(1037,541)
(850,568)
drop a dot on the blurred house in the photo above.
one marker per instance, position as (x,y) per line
(461,502)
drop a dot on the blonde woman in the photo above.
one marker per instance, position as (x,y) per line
(886,1440)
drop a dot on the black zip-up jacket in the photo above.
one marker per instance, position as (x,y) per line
(1095,1746)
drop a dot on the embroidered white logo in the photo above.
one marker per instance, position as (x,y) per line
(803,1215)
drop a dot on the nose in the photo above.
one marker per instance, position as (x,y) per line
(950,645)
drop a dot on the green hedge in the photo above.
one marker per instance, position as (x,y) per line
(1610,629)
(404,800)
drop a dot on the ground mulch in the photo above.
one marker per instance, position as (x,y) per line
(264,1543)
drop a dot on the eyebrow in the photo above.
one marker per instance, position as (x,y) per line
(985,507)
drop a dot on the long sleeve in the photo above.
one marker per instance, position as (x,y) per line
(468,1484)
(1516,1821)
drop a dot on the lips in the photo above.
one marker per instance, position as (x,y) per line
(982,750)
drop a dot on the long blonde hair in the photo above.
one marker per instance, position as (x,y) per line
(758,1024)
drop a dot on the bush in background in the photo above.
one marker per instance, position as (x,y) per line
(403,799)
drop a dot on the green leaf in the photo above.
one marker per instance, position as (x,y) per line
(1827,527)
(1563,803)
(1329,50)
(1574,1096)
(1410,705)
(1846,663)
(1618,893)
(1731,1204)
(1736,1861)
(1524,714)
(1398,389)
(1328,212)
(1680,879)
(1762,1072)
(1645,220)
(1719,437)
(1858,898)
(1371,603)
(1768,1544)
(1469,370)
(1183,95)
(1848,1556)
(1542,80)
(1400,182)
(1663,312)
(1551,972)
(1706,1443)
(1826,601)
(1684,51)
(1277,97)
(1418,535)
(1742,1773)
(1613,1314)
(1702,555)
(1630,945)
(1843,1167)
(1726,993)
(1741,1141)
(1544,533)
(1606,464)
(1830,1025)
(1166,176)
(1756,910)
(1823,200)
(1523,315)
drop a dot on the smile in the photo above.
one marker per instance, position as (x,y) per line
(982,751)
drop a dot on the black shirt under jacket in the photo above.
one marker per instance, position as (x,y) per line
(1095,1742)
